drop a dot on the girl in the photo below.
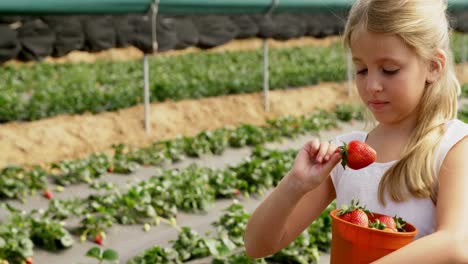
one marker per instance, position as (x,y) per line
(405,76)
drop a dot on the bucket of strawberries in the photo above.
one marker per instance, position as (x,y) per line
(361,236)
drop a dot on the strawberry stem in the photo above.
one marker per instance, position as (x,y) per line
(344,154)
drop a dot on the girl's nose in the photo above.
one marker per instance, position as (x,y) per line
(373,83)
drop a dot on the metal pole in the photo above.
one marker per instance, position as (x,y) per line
(349,73)
(154,12)
(464,48)
(146,93)
(266,76)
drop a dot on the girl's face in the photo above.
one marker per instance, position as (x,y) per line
(390,77)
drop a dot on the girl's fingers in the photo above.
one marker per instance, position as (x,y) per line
(332,148)
(334,159)
(312,147)
(322,151)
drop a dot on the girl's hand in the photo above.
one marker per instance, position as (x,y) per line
(313,164)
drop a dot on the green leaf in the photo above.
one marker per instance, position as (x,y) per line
(67,241)
(110,255)
(94,252)
(212,244)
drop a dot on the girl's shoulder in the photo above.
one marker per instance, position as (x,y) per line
(455,130)
(456,125)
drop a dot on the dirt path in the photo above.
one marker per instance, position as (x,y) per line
(68,136)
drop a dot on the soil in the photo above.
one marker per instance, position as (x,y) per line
(75,136)
(72,136)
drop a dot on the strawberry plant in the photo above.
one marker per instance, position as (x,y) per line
(225,183)
(63,209)
(80,170)
(233,222)
(263,170)
(217,139)
(100,255)
(287,126)
(190,245)
(50,235)
(196,146)
(463,114)
(121,163)
(15,243)
(157,254)
(247,135)
(300,251)
(240,258)
(174,149)
(16,182)
(348,112)
(320,230)
(189,189)
(147,156)
(134,206)
(93,224)
(464,92)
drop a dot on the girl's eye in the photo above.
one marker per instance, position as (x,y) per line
(364,71)
(392,72)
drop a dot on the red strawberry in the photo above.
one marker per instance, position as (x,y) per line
(388,221)
(355,214)
(98,239)
(357,155)
(381,226)
(110,170)
(29,260)
(48,194)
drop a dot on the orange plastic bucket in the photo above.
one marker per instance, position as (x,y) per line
(356,244)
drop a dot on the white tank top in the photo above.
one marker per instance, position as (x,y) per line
(363,184)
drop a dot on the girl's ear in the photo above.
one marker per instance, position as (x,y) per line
(436,66)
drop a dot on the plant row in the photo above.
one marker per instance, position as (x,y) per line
(19,182)
(160,198)
(227,245)
(157,199)
(45,90)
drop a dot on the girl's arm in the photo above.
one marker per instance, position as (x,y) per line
(283,215)
(449,244)
(296,202)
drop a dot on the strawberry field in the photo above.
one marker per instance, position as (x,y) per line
(181,200)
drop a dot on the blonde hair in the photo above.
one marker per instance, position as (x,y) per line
(423,25)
